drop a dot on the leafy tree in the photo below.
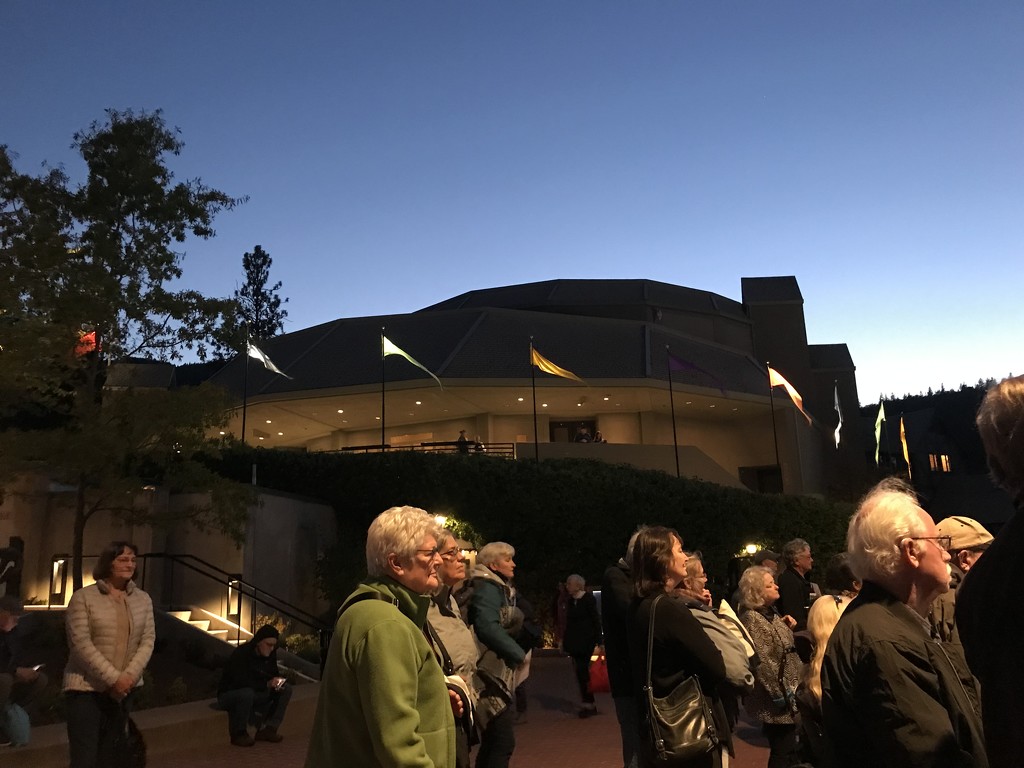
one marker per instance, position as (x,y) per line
(86,279)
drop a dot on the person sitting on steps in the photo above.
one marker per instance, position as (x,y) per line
(252,689)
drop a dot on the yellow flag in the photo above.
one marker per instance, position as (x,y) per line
(906,450)
(776,379)
(536,358)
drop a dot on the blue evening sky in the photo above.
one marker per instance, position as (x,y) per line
(399,153)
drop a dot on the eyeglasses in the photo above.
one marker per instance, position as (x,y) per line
(430,553)
(451,554)
(942,542)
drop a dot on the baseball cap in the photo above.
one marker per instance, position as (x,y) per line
(964,532)
(766,554)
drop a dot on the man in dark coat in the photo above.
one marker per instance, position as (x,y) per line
(891,696)
(251,688)
(794,586)
(616,595)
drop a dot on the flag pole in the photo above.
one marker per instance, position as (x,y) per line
(672,403)
(382,358)
(245,385)
(533,389)
(775,431)
(885,440)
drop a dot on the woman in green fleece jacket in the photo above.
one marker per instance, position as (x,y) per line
(383,699)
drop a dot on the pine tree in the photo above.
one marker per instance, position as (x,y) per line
(259,306)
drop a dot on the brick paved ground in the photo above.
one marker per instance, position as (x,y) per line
(552,736)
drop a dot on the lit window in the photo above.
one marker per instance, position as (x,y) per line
(939,462)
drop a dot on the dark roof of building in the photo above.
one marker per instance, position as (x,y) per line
(489,344)
(825,357)
(771,290)
(594,298)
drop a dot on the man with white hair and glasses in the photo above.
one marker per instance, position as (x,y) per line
(891,695)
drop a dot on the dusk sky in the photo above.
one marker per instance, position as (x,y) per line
(399,153)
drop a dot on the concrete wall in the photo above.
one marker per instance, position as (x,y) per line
(284,536)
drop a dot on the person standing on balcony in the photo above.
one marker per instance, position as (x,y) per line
(253,690)
(110,631)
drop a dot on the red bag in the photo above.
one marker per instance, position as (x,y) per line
(599,676)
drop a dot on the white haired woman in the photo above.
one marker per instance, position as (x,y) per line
(383,698)
(777,675)
(582,636)
(497,621)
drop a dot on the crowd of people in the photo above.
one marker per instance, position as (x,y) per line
(907,657)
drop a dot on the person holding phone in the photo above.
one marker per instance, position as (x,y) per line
(20,685)
(253,690)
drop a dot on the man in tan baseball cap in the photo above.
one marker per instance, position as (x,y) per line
(968,540)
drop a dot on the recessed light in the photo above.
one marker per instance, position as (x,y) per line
(607,398)
(689,402)
(269,421)
(222,432)
(712,406)
(377,418)
(543,405)
(280,434)
(261,438)
(735,409)
(519,399)
(341,410)
(579,405)
(419,402)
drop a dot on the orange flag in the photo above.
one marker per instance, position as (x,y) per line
(776,379)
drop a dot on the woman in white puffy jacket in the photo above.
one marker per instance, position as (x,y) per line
(110,634)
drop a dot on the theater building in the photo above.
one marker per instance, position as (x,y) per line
(618,336)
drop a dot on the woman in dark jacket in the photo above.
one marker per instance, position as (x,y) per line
(251,688)
(681,647)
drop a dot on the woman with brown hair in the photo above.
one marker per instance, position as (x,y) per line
(680,647)
(110,632)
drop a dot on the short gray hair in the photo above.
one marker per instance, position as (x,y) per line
(575,577)
(397,531)
(752,587)
(495,551)
(884,518)
(791,551)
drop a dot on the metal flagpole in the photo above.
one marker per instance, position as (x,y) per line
(533,388)
(382,358)
(245,386)
(672,403)
(775,432)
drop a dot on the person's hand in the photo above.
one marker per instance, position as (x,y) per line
(456,702)
(276,683)
(122,687)
(706,597)
(790,621)
(25,674)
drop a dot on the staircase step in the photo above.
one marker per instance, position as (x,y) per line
(203,625)
(181,615)
(220,634)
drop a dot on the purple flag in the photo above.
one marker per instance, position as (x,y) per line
(679,364)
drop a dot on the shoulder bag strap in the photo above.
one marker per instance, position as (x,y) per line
(439,649)
(650,641)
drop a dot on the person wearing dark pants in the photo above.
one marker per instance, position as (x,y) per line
(20,683)
(252,690)
(582,635)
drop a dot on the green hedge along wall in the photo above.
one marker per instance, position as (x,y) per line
(562,516)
